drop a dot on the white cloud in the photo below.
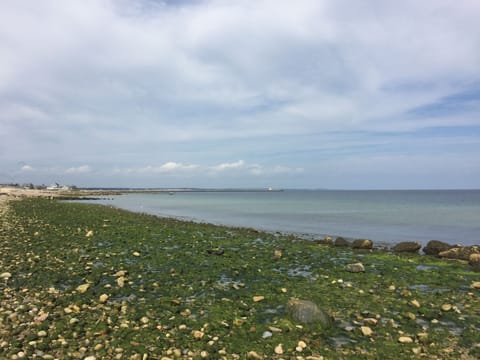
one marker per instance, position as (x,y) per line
(83,169)
(229,165)
(168,167)
(26,168)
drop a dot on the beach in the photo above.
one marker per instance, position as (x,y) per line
(84,281)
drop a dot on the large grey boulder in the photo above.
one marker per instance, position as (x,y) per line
(362,244)
(407,247)
(460,252)
(435,247)
(341,242)
(306,311)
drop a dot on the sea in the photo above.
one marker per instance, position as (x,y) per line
(386,217)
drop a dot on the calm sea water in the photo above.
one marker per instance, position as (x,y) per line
(383,216)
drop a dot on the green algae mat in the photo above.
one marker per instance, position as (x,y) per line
(82,281)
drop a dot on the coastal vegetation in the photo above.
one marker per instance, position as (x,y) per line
(83,281)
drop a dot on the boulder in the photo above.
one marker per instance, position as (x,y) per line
(327,240)
(341,242)
(362,244)
(474,261)
(306,311)
(460,252)
(434,247)
(355,268)
(407,246)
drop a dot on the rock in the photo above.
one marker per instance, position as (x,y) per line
(82,288)
(277,254)
(434,247)
(341,242)
(405,340)
(103,298)
(305,311)
(266,335)
(5,276)
(258,298)
(121,281)
(252,355)
(355,268)
(136,253)
(362,244)
(407,246)
(216,251)
(198,334)
(460,252)
(278,349)
(302,344)
(370,321)
(89,233)
(415,303)
(327,240)
(475,285)
(474,261)
(446,307)
(366,331)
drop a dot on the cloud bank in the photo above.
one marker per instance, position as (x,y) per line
(163,88)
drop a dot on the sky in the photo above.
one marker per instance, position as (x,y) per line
(372,94)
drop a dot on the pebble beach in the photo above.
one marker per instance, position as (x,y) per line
(91,282)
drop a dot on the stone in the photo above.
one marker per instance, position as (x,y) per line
(197,334)
(370,321)
(355,268)
(83,288)
(415,303)
(474,261)
(277,254)
(89,233)
(103,298)
(266,335)
(475,285)
(405,340)
(366,331)
(460,252)
(434,247)
(302,344)
(252,355)
(278,349)
(341,242)
(5,275)
(407,247)
(136,254)
(446,307)
(362,244)
(121,281)
(258,298)
(305,312)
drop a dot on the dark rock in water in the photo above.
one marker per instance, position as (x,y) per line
(362,244)
(474,261)
(434,247)
(305,312)
(407,246)
(355,268)
(460,252)
(341,242)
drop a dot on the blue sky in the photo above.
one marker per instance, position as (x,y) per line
(290,94)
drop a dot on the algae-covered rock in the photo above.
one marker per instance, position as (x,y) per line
(306,311)
(407,246)
(362,244)
(434,247)
(460,252)
(341,242)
